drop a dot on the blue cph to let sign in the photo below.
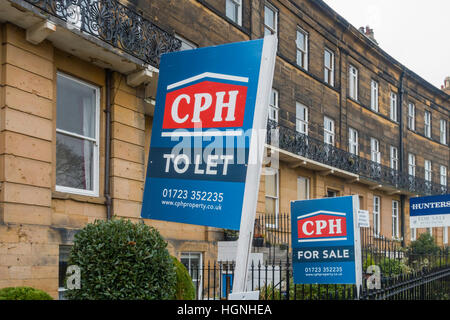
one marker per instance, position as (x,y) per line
(325,241)
(203,129)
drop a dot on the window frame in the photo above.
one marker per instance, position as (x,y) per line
(308,187)
(443,131)
(191,255)
(443,175)
(300,121)
(411,164)
(395,220)
(272,8)
(352,144)
(275,107)
(393,106)
(276,198)
(237,4)
(327,132)
(353,82)
(394,160)
(185,43)
(375,154)
(303,52)
(411,117)
(427,124)
(374,95)
(428,168)
(376,216)
(413,234)
(96,150)
(328,72)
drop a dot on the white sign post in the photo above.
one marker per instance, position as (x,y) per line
(256,153)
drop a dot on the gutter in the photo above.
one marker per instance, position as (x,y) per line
(401,154)
(108,202)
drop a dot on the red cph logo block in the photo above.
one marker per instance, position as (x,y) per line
(207,104)
(322,226)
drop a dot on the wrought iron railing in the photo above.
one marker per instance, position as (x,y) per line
(311,148)
(114,23)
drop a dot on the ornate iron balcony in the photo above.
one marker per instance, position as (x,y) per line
(118,25)
(308,147)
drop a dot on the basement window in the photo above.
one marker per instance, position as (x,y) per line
(77,136)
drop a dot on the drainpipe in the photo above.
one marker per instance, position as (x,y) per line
(108,203)
(401,155)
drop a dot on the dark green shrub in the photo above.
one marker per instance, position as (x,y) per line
(23,293)
(122,260)
(185,289)
(424,245)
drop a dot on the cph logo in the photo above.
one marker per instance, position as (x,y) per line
(206,104)
(322,226)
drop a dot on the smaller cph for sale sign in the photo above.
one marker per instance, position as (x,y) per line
(325,241)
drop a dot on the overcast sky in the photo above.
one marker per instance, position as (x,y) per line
(414,32)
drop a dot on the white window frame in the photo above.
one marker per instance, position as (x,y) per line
(190,256)
(445,235)
(443,131)
(185,44)
(353,145)
(328,72)
(411,164)
(427,124)
(395,221)
(237,7)
(393,106)
(96,141)
(328,130)
(413,234)
(374,95)
(375,154)
(428,170)
(301,118)
(276,198)
(307,183)
(376,215)
(353,82)
(274,29)
(443,175)
(411,116)
(302,53)
(273,108)
(394,158)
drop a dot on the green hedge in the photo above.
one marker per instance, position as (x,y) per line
(23,293)
(122,260)
(185,289)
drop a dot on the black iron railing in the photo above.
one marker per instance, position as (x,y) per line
(311,148)
(403,274)
(114,23)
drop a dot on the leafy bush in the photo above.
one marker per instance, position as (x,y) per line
(185,289)
(122,260)
(424,245)
(23,293)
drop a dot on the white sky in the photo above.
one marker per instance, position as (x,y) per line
(414,32)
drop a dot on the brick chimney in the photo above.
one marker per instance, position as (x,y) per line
(368,32)
(446,86)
